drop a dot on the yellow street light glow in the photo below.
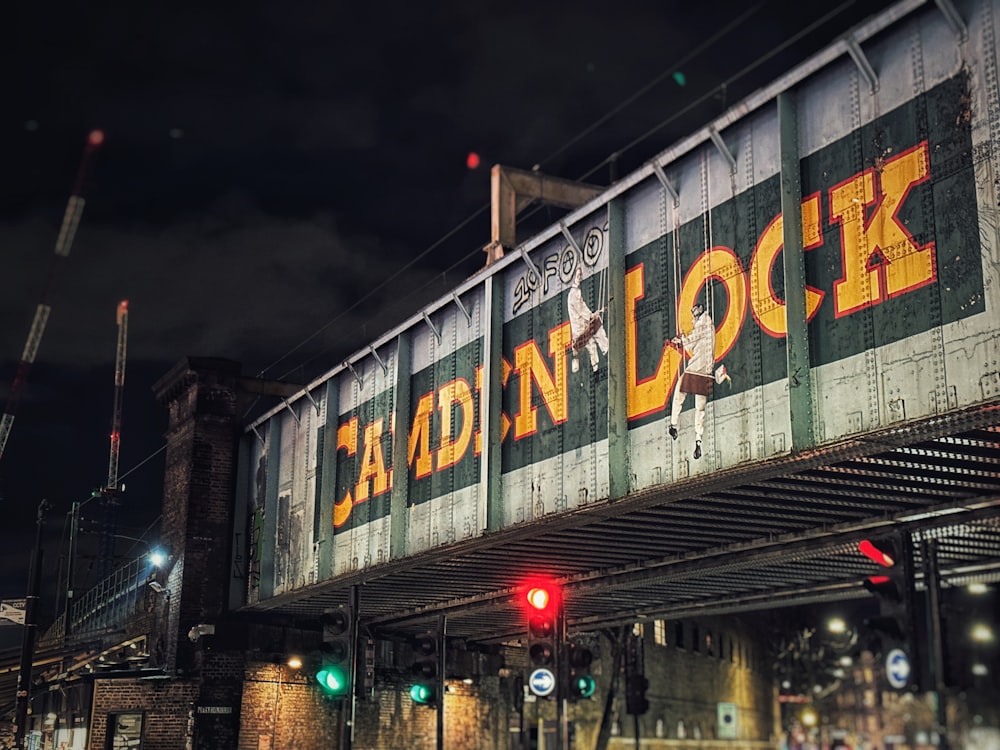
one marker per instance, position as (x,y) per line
(982,633)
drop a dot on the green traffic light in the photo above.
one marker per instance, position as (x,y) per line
(333,680)
(423,694)
(584,686)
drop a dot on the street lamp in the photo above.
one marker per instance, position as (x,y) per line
(157,557)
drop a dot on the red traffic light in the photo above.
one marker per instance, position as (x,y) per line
(542,596)
(539,598)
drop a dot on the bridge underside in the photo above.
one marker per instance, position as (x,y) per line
(779,532)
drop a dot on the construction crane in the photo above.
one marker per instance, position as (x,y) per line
(64,242)
(109,499)
(116,415)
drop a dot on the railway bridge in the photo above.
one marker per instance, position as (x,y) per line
(692,398)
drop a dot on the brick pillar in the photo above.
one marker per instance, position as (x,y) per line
(202,398)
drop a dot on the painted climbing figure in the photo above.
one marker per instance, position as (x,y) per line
(697,378)
(586,327)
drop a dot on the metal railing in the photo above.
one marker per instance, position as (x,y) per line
(106,606)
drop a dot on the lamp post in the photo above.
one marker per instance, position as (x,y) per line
(28,637)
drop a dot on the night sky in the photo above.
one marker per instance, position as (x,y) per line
(281,183)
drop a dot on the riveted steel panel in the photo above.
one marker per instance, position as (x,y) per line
(555,346)
(444,434)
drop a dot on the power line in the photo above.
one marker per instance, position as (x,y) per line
(706,45)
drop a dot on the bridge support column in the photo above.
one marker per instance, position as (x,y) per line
(800,390)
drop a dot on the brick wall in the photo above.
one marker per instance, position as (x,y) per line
(201,396)
(281,710)
(165,704)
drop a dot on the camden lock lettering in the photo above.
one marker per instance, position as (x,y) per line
(880,260)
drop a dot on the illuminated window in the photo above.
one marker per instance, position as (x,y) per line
(660,632)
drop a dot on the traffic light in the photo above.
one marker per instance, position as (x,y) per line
(543,633)
(336,653)
(636,683)
(426,668)
(893,587)
(636,702)
(579,681)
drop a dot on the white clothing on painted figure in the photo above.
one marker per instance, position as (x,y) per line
(700,345)
(581,319)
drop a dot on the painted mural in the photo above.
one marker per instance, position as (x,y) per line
(390,456)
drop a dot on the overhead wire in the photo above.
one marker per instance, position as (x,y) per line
(628,101)
(617,109)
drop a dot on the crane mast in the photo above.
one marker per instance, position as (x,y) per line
(109,493)
(116,415)
(64,242)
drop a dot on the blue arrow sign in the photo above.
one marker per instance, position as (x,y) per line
(542,682)
(897,668)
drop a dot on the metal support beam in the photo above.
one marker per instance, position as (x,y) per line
(398,517)
(800,396)
(291,411)
(381,362)
(722,148)
(462,307)
(312,401)
(954,19)
(569,239)
(327,486)
(269,504)
(858,55)
(619,464)
(430,324)
(662,177)
(531,266)
(490,411)
(349,366)
(512,190)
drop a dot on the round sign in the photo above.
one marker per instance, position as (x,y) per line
(542,682)
(897,668)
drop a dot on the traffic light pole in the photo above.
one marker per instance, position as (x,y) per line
(562,671)
(935,659)
(23,695)
(442,662)
(352,706)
